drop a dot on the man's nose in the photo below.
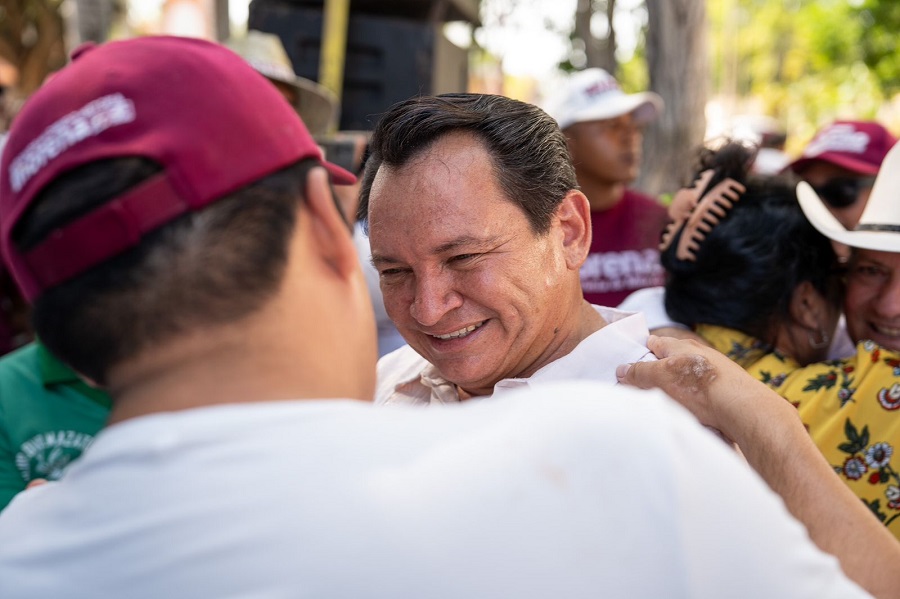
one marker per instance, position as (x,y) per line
(435,296)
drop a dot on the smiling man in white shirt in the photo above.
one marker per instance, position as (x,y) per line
(478,231)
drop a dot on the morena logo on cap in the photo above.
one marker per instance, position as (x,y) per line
(601,87)
(842,137)
(201,112)
(91,119)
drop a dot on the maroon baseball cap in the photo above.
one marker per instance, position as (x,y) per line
(858,146)
(199,110)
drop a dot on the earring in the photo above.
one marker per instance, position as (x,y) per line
(820,343)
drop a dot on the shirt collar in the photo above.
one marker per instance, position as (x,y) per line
(622,340)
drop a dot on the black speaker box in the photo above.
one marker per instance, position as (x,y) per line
(388,58)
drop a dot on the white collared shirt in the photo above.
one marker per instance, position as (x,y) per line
(405,377)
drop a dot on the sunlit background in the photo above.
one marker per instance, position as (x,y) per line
(791,65)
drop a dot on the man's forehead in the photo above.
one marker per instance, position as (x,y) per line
(449,156)
(891,259)
(456,168)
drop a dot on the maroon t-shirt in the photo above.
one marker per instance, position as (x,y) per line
(624,254)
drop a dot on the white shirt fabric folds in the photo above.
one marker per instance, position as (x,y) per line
(577,490)
(405,377)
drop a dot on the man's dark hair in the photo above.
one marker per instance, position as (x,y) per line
(530,158)
(205,268)
(749,264)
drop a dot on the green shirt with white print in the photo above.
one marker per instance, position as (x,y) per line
(48,417)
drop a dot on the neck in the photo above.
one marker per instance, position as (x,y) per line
(585,323)
(213,368)
(793,341)
(601,195)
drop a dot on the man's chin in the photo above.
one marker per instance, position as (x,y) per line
(470,380)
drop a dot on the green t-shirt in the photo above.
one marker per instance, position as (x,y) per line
(48,416)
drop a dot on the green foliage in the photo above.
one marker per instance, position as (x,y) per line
(879,44)
(634,75)
(805,62)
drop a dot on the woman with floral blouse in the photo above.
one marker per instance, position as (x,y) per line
(750,275)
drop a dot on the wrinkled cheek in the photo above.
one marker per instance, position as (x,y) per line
(396,303)
(856,309)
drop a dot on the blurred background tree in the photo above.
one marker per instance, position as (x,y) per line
(32,40)
(37,35)
(802,62)
(805,63)
(881,26)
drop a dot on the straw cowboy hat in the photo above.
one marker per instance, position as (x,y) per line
(315,104)
(879,225)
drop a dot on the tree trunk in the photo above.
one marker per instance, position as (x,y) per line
(93,20)
(31,39)
(677,60)
(598,52)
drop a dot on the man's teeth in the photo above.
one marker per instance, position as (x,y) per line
(459,333)
(887,331)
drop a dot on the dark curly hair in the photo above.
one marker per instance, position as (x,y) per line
(749,264)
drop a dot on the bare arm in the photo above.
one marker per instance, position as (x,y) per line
(774,441)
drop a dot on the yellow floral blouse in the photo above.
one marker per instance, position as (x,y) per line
(851,408)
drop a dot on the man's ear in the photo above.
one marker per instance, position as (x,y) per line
(333,239)
(574,217)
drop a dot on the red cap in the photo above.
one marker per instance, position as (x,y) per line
(198,109)
(859,146)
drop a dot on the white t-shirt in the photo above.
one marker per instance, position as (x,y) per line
(405,377)
(590,490)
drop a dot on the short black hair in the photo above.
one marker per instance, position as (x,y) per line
(204,268)
(530,157)
(749,264)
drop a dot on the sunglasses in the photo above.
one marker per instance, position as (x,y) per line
(841,192)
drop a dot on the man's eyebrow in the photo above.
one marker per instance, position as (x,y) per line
(378,259)
(467,241)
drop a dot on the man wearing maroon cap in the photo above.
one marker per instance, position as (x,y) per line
(841,162)
(170,217)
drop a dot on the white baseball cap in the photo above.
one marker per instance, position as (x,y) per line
(595,95)
(879,225)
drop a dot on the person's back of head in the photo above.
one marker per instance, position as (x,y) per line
(736,259)
(529,153)
(149,190)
